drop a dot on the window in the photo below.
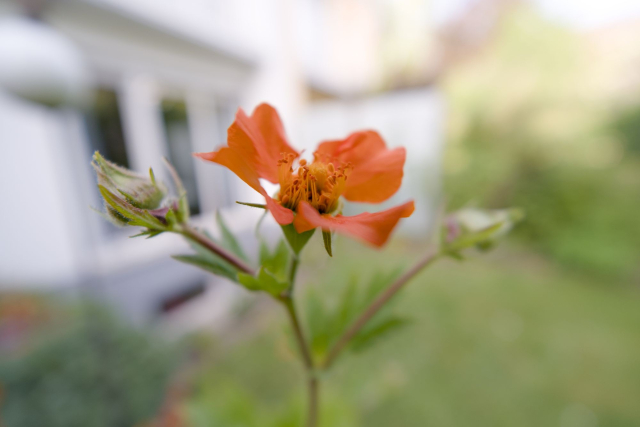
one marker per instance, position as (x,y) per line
(174,113)
(105,127)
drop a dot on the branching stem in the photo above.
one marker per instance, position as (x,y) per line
(201,239)
(376,305)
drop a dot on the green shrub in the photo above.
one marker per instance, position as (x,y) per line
(93,371)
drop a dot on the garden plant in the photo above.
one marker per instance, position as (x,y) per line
(359,168)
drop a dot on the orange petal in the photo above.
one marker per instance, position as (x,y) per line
(231,159)
(241,165)
(282,215)
(257,143)
(373,228)
(239,160)
(264,129)
(377,171)
(378,179)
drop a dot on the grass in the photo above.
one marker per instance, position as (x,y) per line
(500,340)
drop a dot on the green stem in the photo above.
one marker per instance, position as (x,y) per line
(314,401)
(291,276)
(299,335)
(201,239)
(305,352)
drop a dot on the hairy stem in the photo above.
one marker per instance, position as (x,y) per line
(314,401)
(376,305)
(291,276)
(299,335)
(203,240)
(312,380)
(305,352)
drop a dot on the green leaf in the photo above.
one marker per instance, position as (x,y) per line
(253,205)
(329,316)
(217,267)
(275,261)
(229,241)
(317,322)
(326,238)
(296,240)
(263,281)
(373,332)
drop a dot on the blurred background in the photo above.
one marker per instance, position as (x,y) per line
(500,103)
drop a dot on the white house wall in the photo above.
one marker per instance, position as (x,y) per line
(36,231)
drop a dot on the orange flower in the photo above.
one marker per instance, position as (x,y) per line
(359,168)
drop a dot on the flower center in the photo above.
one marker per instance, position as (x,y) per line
(320,183)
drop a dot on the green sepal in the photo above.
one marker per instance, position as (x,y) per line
(171,217)
(148,233)
(296,240)
(477,228)
(263,281)
(127,213)
(326,238)
(138,190)
(182,211)
(472,239)
(253,205)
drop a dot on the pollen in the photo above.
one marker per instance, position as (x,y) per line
(320,183)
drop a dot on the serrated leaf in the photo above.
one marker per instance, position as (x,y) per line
(229,241)
(327,322)
(326,238)
(263,281)
(296,240)
(275,261)
(371,334)
(317,322)
(217,267)
(212,259)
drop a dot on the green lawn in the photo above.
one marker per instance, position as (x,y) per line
(505,339)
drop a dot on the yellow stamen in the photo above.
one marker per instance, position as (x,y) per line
(320,183)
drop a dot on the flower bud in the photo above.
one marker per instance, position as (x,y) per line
(132,199)
(476,227)
(138,190)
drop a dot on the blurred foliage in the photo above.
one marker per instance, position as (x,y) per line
(328,315)
(527,128)
(88,371)
(503,340)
